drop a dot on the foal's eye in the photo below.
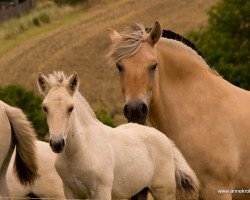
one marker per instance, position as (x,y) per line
(119,67)
(70,109)
(153,67)
(45,109)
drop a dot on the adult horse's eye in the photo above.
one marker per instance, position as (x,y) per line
(153,67)
(119,67)
(70,109)
(45,109)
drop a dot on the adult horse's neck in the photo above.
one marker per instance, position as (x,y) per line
(185,84)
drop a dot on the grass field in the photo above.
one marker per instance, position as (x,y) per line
(78,41)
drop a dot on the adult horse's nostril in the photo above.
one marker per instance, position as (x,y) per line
(126,111)
(136,112)
(143,110)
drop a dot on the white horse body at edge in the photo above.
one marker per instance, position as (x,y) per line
(47,185)
(16,131)
(99,162)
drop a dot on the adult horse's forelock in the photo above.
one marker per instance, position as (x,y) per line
(129,43)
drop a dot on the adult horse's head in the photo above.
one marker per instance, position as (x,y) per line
(58,105)
(136,60)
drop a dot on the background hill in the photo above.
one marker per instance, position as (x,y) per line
(81,44)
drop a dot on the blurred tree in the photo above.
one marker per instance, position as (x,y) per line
(103,116)
(225,41)
(30,103)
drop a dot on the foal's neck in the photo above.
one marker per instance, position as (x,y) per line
(82,120)
(85,114)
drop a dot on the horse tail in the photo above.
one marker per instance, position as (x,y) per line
(25,164)
(187,183)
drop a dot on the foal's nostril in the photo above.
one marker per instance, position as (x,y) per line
(143,110)
(57,146)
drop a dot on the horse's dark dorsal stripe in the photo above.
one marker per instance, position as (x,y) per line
(175,36)
(172,35)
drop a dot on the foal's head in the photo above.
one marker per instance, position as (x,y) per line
(58,105)
(136,60)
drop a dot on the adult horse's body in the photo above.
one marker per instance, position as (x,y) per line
(96,161)
(16,131)
(207,117)
(47,185)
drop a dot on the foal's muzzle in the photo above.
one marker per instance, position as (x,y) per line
(57,145)
(136,112)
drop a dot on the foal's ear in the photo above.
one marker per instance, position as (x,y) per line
(114,35)
(43,84)
(73,83)
(155,33)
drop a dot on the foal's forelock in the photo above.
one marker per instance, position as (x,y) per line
(57,78)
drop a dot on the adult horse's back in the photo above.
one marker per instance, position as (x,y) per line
(206,116)
(16,130)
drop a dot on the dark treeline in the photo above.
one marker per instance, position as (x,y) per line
(225,41)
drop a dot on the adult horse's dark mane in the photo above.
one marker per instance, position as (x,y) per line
(175,36)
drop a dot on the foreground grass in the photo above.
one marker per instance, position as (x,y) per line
(43,19)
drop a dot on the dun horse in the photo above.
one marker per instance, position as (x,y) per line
(16,131)
(206,116)
(99,162)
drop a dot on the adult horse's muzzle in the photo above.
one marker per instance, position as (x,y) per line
(57,145)
(136,112)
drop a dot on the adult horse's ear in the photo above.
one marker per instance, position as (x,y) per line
(43,84)
(155,33)
(114,35)
(73,83)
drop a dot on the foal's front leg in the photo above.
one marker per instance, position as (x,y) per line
(103,193)
(68,192)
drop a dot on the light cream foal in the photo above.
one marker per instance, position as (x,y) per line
(99,162)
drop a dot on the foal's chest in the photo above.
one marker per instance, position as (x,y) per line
(75,179)
(78,187)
